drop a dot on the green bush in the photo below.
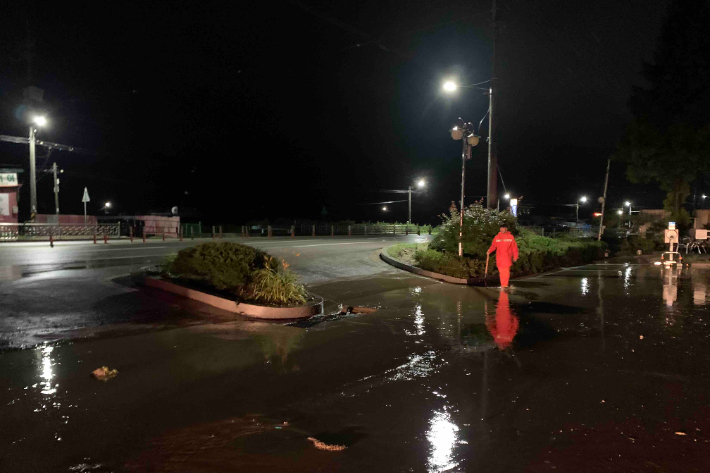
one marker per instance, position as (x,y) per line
(647,245)
(449,264)
(480,225)
(250,274)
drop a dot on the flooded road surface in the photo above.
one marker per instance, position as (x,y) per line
(597,368)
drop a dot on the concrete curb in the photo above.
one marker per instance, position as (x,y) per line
(250,310)
(421,272)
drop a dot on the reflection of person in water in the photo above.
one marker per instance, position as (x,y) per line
(505,324)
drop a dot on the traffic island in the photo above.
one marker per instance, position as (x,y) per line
(493,280)
(237,278)
(311,308)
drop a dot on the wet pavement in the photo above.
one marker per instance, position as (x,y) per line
(597,368)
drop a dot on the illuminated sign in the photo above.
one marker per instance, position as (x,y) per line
(8,179)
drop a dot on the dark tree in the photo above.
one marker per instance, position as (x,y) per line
(668,141)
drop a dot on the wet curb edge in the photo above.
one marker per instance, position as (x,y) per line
(250,310)
(421,272)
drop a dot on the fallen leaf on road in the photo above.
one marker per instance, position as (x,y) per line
(324,446)
(104,374)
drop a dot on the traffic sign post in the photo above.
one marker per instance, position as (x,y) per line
(85,199)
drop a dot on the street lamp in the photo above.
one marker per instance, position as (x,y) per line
(492,191)
(38,120)
(583,200)
(107,206)
(506,197)
(384,209)
(420,183)
(464,132)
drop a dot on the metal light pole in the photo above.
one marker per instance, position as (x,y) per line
(56,187)
(492,158)
(583,199)
(33,175)
(409,220)
(463,183)
(606,184)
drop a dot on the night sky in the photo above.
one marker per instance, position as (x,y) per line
(247,110)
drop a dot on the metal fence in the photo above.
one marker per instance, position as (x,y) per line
(43,231)
(321,229)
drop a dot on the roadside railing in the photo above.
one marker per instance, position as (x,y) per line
(328,229)
(43,231)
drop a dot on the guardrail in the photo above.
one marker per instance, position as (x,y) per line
(43,231)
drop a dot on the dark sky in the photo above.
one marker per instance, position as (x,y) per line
(247,110)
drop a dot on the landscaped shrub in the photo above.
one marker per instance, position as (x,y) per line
(248,273)
(449,264)
(480,225)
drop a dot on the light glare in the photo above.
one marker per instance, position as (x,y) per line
(40,120)
(421,183)
(449,86)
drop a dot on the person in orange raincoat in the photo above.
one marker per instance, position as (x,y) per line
(506,253)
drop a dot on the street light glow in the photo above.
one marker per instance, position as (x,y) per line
(384,209)
(506,196)
(583,199)
(450,86)
(627,203)
(620,212)
(703,196)
(107,205)
(421,183)
(40,120)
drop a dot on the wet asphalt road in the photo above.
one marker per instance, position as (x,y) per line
(78,288)
(597,368)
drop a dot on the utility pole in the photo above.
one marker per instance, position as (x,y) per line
(492,199)
(33,175)
(463,182)
(56,187)
(606,183)
(410,205)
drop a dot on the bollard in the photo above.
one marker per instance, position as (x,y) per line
(105,239)
(192,233)
(429,229)
(419,230)
(180,230)
(220,232)
(94,237)
(51,240)
(394,229)
(213,232)
(130,232)
(314,230)
(269,232)
(293,231)
(143,234)
(350,231)
(406,230)
(332,231)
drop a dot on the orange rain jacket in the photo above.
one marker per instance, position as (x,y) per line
(506,249)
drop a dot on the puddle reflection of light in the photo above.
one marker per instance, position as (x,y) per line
(416,290)
(585,286)
(442,435)
(418,322)
(627,277)
(47,374)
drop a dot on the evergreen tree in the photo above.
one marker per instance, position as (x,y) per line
(668,140)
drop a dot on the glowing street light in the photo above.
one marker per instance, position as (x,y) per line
(506,196)
(450,86)
(384,209)
(39,120)
(106,207)
(583,200)
(420,183)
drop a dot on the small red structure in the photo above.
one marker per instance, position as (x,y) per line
(9,189)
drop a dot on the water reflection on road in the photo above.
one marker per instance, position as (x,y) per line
(601,367)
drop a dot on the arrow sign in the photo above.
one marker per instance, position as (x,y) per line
(85,199)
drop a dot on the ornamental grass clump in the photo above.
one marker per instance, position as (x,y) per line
(250,274)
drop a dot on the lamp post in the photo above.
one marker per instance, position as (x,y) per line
(583,200)
(420,183)
(464,132)
(628,204)
(492,190)
(106,206)
(38,121)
